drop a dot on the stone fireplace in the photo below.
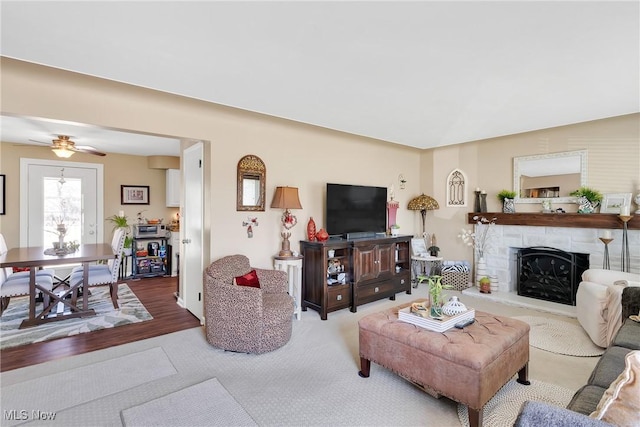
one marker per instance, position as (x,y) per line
(574,233)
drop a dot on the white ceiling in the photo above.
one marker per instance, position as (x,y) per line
(422,74)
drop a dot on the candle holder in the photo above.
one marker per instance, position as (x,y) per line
(476,205)
(605,259)
(626,258)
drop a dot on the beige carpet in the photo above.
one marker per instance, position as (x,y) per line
(59,391)
(131,311)
(560,337)
(187,408)
(312,381)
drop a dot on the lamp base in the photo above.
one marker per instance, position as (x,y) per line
(286,245)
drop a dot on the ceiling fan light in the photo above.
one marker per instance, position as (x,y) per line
(63,152)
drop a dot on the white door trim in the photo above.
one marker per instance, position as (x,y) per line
(24,176)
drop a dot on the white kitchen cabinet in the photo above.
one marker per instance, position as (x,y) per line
(173,188)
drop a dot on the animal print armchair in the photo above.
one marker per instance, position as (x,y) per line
(246,309)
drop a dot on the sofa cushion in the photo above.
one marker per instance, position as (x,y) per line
(608,277)
(626,283)
(586,399)
(620,404)
(536,414)
(249,279)
(628,335)
(609,367)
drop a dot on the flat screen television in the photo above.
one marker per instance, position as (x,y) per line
(356,209)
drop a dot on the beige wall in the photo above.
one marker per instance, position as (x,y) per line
(308,157)
(118,170)
(613,147)
(295,154)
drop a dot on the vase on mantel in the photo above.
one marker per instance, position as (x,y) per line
(481,270)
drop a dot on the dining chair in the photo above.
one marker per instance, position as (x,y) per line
(103,274)
(11,275)
(19,286)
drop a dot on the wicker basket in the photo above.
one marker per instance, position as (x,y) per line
(458,280)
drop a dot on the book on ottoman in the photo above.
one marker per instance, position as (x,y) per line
(441,325)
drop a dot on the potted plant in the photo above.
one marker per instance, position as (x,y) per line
(506,198)
(588,199)
(128,241)
(395,229)
(437,298)
(433,250)
(121,221)
(485,285)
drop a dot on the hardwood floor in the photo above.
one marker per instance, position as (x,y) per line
(157,295)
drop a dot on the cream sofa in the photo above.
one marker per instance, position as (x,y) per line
(598,302)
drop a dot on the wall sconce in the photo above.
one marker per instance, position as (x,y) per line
(402,181)
(286,198)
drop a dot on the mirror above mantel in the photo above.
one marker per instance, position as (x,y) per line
(549,176)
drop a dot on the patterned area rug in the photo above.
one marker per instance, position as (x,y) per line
(560,337)
(131,311)
(502,410)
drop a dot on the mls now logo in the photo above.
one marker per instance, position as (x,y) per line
(22,415)
(15,415)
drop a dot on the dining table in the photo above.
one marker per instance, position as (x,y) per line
(34,257)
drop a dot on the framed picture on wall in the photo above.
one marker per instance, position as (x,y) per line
(612,202)
(134,194)
(2,194)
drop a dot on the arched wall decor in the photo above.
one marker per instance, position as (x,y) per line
(252,176)
(457,189)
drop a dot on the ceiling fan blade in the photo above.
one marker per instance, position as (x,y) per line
(87,149)
(40,142)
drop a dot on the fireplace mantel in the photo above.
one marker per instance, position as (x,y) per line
(572,220)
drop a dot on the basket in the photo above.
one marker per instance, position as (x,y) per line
(458,280)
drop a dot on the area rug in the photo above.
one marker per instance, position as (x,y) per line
(131,311)
(204,404)
(502,410)
(560,337)
(72,387)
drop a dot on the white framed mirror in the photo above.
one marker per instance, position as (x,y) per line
(549,176)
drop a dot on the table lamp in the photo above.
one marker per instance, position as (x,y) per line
(286,198)
(423,204)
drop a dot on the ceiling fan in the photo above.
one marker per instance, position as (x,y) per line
(64,147)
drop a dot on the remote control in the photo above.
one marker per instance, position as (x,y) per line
(464,323)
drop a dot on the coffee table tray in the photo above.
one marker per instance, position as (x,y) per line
(447,322)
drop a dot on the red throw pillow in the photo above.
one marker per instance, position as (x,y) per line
(19,269)
(249,279)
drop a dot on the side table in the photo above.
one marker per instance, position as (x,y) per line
(293,266)
(419,265)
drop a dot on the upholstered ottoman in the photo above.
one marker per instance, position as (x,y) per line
(466,365)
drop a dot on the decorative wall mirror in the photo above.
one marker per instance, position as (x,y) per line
(549,176)
(252,175)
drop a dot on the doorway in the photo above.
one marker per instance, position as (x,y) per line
(191,254)
(60,192)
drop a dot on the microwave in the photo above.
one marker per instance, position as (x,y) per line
(158,231)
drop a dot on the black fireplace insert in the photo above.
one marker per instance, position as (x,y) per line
(550,274)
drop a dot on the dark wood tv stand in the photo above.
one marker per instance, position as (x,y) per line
(360,271)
